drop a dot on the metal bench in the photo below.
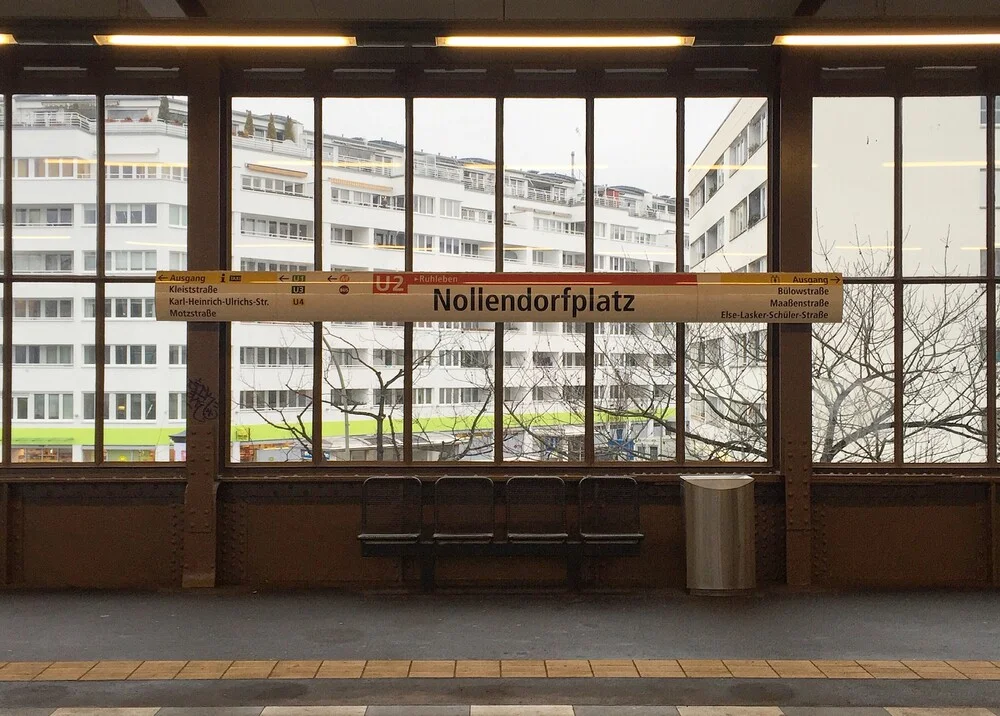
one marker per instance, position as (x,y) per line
(391,511)
(463,510)
(464,523)
(536,510)
(609,515)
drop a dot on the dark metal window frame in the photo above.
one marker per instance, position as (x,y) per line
(699,73)
(897,74)
(83,72)
(690,72)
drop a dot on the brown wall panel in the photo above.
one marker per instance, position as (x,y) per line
(110,536)
(296,534)
(901,536)
(310,544)
(661,561)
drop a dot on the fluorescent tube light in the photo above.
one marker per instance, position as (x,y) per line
(564,41)
(887,40)
(227,40)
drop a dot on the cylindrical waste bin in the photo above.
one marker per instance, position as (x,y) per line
(719,521)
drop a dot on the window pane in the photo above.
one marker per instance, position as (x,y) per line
(58,138)
(148,126)
(852,185)
(726,162)
(544,178)
(272,141)
(944,156)
(944,373)
(996,204)
(454,166)
(271,401)
(363,391)
(128,372)
(726,386)
(852,379)
(3,437)
(49,365)
(454,170)
(726,185)
(635,231)
(364,180)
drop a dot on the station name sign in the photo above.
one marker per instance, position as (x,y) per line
(538,297)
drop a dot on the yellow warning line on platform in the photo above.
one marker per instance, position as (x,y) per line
(494,669)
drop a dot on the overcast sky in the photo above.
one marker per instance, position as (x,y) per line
(634,137)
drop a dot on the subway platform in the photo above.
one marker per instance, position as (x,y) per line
(304,653)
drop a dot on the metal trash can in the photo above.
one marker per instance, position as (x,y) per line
(719,521)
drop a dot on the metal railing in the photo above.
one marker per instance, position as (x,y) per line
(434,172)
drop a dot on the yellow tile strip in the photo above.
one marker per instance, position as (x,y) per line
(157,670)
(477,669)
(568,668)
(386,670)
(111,671)
(203,670)
(614,668)
(341,670)
(249,670)
(66,671)
(432,669)
(295,670)
(506,668)
(23,670)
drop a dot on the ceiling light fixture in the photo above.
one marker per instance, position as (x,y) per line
(7,39)
(887,40)
(257,41)
(563,41)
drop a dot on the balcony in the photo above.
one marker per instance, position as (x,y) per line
(538,195)
(59,120)
(270,145)
(435,172)
(487,188)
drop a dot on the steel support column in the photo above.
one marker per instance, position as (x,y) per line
(4,529)
(206,396)
(794,248)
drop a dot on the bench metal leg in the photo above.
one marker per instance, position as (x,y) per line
(427,572)
(574,564)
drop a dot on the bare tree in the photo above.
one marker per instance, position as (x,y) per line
(350,365)
(854,374)
(942,371)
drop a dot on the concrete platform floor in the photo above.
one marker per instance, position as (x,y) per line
(221,624)
(962,628)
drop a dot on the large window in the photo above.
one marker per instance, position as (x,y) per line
(56,137)
(65,253)
(273,230)
(635,397)
(146,230)
(725,369)
(453,365)
(903,378)
(544,218)
(441,213)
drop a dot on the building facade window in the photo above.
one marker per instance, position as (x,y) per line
(43,308)
(122,308)
(43,406)
(43,354)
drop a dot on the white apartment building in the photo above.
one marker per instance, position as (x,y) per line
(363,229)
